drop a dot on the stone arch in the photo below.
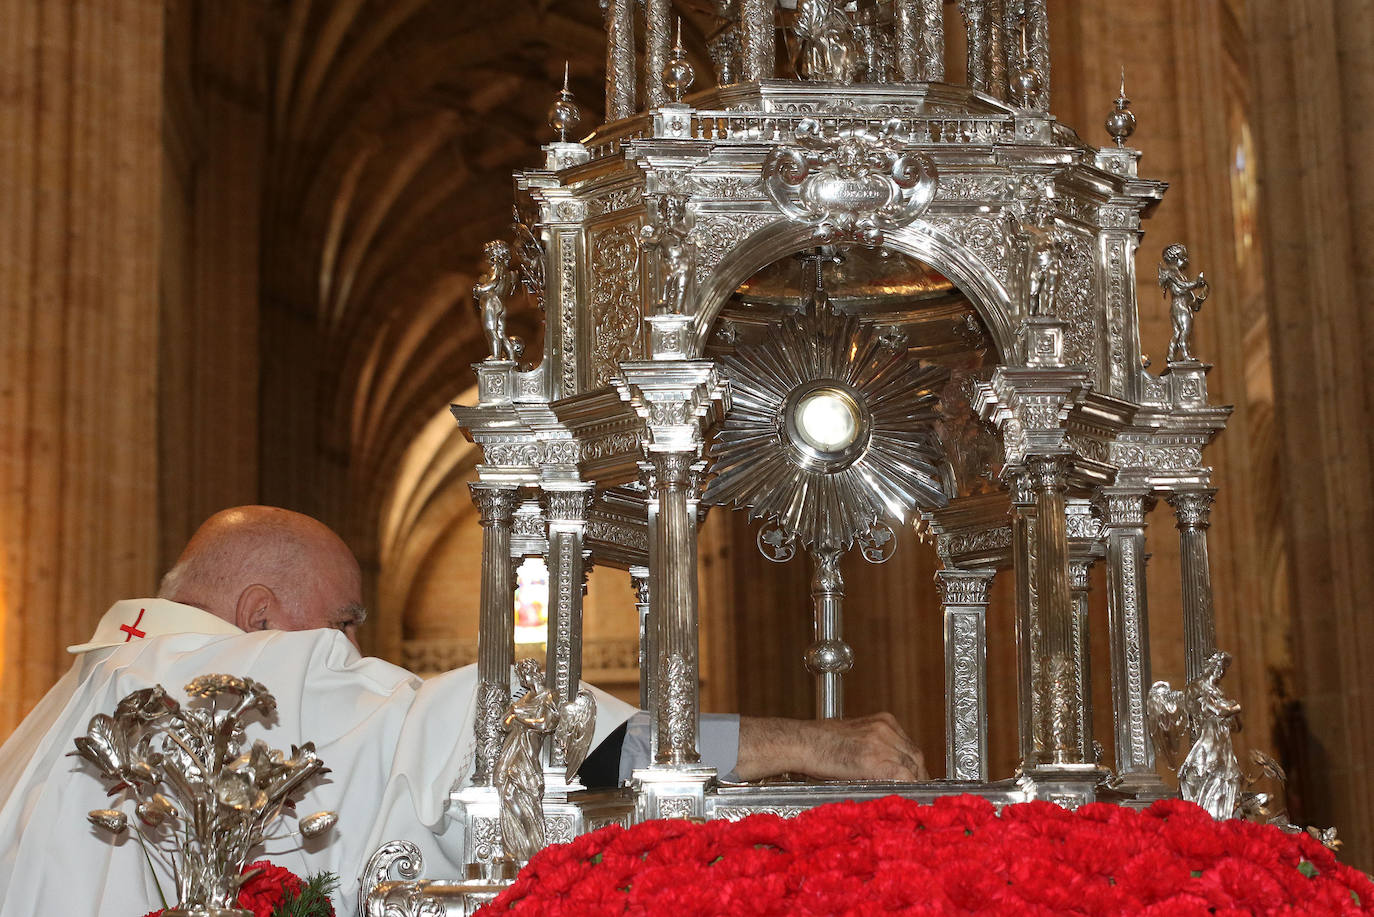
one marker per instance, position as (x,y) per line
(988,296)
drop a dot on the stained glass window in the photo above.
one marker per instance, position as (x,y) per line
(531,601)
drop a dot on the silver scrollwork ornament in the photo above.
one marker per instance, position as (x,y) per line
(852,184)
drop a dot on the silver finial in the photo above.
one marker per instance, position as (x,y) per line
(678,72)
(564,114)
(1121,122)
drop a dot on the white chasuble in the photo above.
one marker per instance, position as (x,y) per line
(395,746)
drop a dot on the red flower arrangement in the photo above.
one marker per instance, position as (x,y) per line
(274,891)
(956,856)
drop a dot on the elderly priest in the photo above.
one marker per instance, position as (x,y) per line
(276,596)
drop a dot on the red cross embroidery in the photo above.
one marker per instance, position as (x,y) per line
(132,629)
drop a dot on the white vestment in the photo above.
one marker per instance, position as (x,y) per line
(395,746)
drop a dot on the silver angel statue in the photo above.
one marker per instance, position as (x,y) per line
(1210,774)
(1185,297)
(490,293)
(670,238)
(203,802)
(535,714)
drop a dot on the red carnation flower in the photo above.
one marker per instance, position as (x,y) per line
(264,892)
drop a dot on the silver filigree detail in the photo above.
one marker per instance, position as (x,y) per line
(615,307)
(676,807)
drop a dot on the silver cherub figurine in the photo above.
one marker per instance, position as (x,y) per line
(519,774)
(490,293)
(670,238)
(1185,297)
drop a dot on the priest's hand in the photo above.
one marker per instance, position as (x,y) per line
(863,748)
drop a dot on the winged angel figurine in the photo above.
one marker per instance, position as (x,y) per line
(1210,774)
(519,773)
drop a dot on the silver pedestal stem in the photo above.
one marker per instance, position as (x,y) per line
(757,39)
(1123,514)
(829,657)
(964,594)
(1080,583)
(1192,513)
(620,59)
(566,508)
(673,610)
(639,582)
(496,635)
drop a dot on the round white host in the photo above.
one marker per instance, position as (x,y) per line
(827,421)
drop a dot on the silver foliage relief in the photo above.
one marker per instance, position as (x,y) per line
(615,308)
(966,679)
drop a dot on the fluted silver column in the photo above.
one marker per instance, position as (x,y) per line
(1123,514)
(620,59)
(566,506)
(673,609)
(1028,637)
(964,594)
(1192,513)
(1080,584)
(1057,733)
(758,49)
(658,28)
(496,632)
(829,657)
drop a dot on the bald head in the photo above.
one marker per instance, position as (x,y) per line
(265,568)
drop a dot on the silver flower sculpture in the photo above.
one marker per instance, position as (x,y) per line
(202,802)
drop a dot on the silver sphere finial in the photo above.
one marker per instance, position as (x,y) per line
(1121,122)
(564,114)
(678,72)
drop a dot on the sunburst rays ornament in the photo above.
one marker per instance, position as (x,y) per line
(831,432)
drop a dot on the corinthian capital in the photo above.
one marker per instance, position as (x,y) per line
(495,502)
(1192,508)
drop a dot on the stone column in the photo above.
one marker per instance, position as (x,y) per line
(620,59)
(756,39)
(1192,513)
(1080,585)
(658,30)
(964,594)
(639,582)
(566,506)
(1123,515)
(1028,636)
(1057,732)
(495,634)
(829,657)
(673,609)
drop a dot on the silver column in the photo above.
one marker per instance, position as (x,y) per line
(908,43)
(829,657)
(496,634)
(976,27)
(1123,514)
(639,582)
(1192,513)
(658,29)
(998,85)
(566,506)
(757,40)
(1080,584)
(673,609)
(932,55)
(1028,637)
(620,59)
(1038,46)
(1057,733)
(964,594)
